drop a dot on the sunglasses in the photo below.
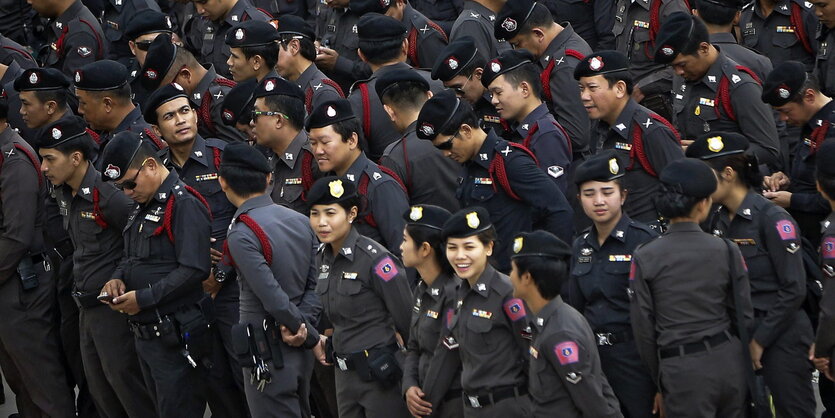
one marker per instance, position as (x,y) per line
(143,45)
(255,113)
(131,184)
(446,145)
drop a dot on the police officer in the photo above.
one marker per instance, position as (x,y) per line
(782,30)
(565,372)
(799,100)
(824,65)
(498,175)
(31,353)
(426,39)
(487,323)
(104,99)
(476,20)
(514,83)
(647,139)
(296,62)
(157,283)
(206,36)
(824,347)
(719,17)
(43,96)
(382,44)
(333,132)
(444,13)
(365,295)
(770,242)
(8,75)
(712,92)
(278,124)
(273,249)
(403,93)
(336,56)
(13,51)
(686,326)
(168,63)
(237,108)
(460,67)
(592,20)
(432,374)
(117,14)
(74,37)
(253,50)
(94,214)
(196,160)
(140,31)
(636,29)
(599,281)
(557,49)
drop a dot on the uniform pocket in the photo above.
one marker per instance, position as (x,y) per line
(478,334)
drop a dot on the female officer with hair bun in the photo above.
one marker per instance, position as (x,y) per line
(690,297)
(769,240)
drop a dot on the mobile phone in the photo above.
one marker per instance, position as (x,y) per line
(104,297)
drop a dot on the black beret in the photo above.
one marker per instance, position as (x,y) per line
(62,130)
(118,154)
(690,177)
(717,144)
(454,58)
(442,107)
(293,25)
(825,159)
(159,60)
(506,61)
(604,166)
(467,222)
(376,27)
(242,155)
(783,83)
(147,21)
(361,7)
(159,97)
(330,190)
(540,244)
(251,33)
(41,79)
(277,86)
(673,35)
(512,17)
(390,78)
(430,216)
(101,75)
(328,113)
(601,62)
(238,103)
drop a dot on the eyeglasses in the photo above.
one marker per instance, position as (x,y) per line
(143,45)
(459,90)
(446,145)
(131,184)
(256,113)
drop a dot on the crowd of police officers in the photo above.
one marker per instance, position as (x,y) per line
(394,208)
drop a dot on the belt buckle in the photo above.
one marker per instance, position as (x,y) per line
(604,338)
(343,365)
(474,401)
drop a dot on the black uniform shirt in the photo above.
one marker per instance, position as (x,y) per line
(82,43)
(477,21)
(208,99)
(316,90)
(825,342)
(805,195)
(548,142)
(117,14)
(776,36)
(289,171)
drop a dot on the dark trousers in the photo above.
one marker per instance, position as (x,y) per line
(30,352)
(360,399)
(171,381)
(323,391)
(826,388)
(788,372)
(450,408)
(112,367)
(287,393)
(223,383)
(629,378)
(513,407)
(709,384)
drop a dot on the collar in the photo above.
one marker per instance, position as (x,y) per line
(307,77)
(477,10)
(684,227)
(293,151)
(412,128)
(781,6)
(7,136)
(623,124)
(131,118)
(166,188)
(436,290)
(618,232)
(557,44)
(253,203)
(714,73)
(11,74)
(482,285)
(202,88)
(529,121)
(350,244)
(829,221)
(642,3)
(746,209)
(236,15)
(824,115)
(547,313)
(357,168)
(488,148)
(88,183)
(722,38)
(199,152)
(71,13)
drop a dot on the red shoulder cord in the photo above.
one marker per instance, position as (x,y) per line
(817,137)
(799,28)
(216,159)
(366,111)
(205,110)
(266,247)
(723,93)
(637,152)
(308,100)
(362,190)
(498,171)
(545,75)
(412,53)
(96,137)
(21,52)
(335,85)
(97,213)
(160,144)
(395,177)
(169,213)
(59,43)
(307,173)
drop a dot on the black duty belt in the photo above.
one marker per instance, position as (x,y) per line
(359,359)
(86,300)
(612,338)
(495,396)
(693,348)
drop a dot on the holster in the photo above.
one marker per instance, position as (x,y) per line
(28,275)
(243,343)
(271,330)
(195,333)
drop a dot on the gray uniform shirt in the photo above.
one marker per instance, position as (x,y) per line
(477,21)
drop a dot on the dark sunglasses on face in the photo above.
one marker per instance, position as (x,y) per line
(131,184)
(143,45)
(446,145)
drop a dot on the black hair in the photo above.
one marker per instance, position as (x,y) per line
(827,185)
(526,72)
(477,62)
(144,152)
(347,127)
(435,239)
(59,96)
(698,36)
(182,58)
(540,18)
(671,203)
(268,52)
(381,52)
(242,181)
(464,115)
(306,47)
(405,96)
(82,144)
(811,82)
(487,236)
(714,12)
(746,167)
(613,78)
(292,107)
(121,94)
(548,273)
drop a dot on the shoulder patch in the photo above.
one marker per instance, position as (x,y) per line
(386,269)
(567,352)
(828,247)
(786,230)
(515,309)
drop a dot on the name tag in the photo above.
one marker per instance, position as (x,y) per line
(705,102)
(624,257)
(432,314)
(483,180)
(492,119)
(323,276)
(623,146)
(204,177)
(482,313)
(349,276)
(744,241)
(785,29)
(641,24)
(152,218)
(582,259)
(293,181)
(113,24)
(88,215)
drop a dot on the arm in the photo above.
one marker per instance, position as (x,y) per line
(388,204)
(429,47)
(81,49)
(117,209)
(411,363)
(642,315)
(388,278)
(19,192)
(825,341)
(533,186)
(310,305)
(567,109)
(743,289)
(604,23)
(810,202)
(756,122)
(356,70)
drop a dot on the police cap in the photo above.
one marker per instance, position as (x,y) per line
(328,113)
(467,222)
(238,103)
(604,166)
(147,21)
(512,18)
(390,78)
(441,107)
(251,33)
(295,26)
(454,57)
(159,97)
(159,60)
(717,144)
(331,189)
(600,63)
(119,153)
(673,35)
(430,216)
(540,244)
(101,76)
(505,62)
(62,130)
(41,79)
(689,177)
(243,155)
(277,86)
(783,83)
(376,27)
